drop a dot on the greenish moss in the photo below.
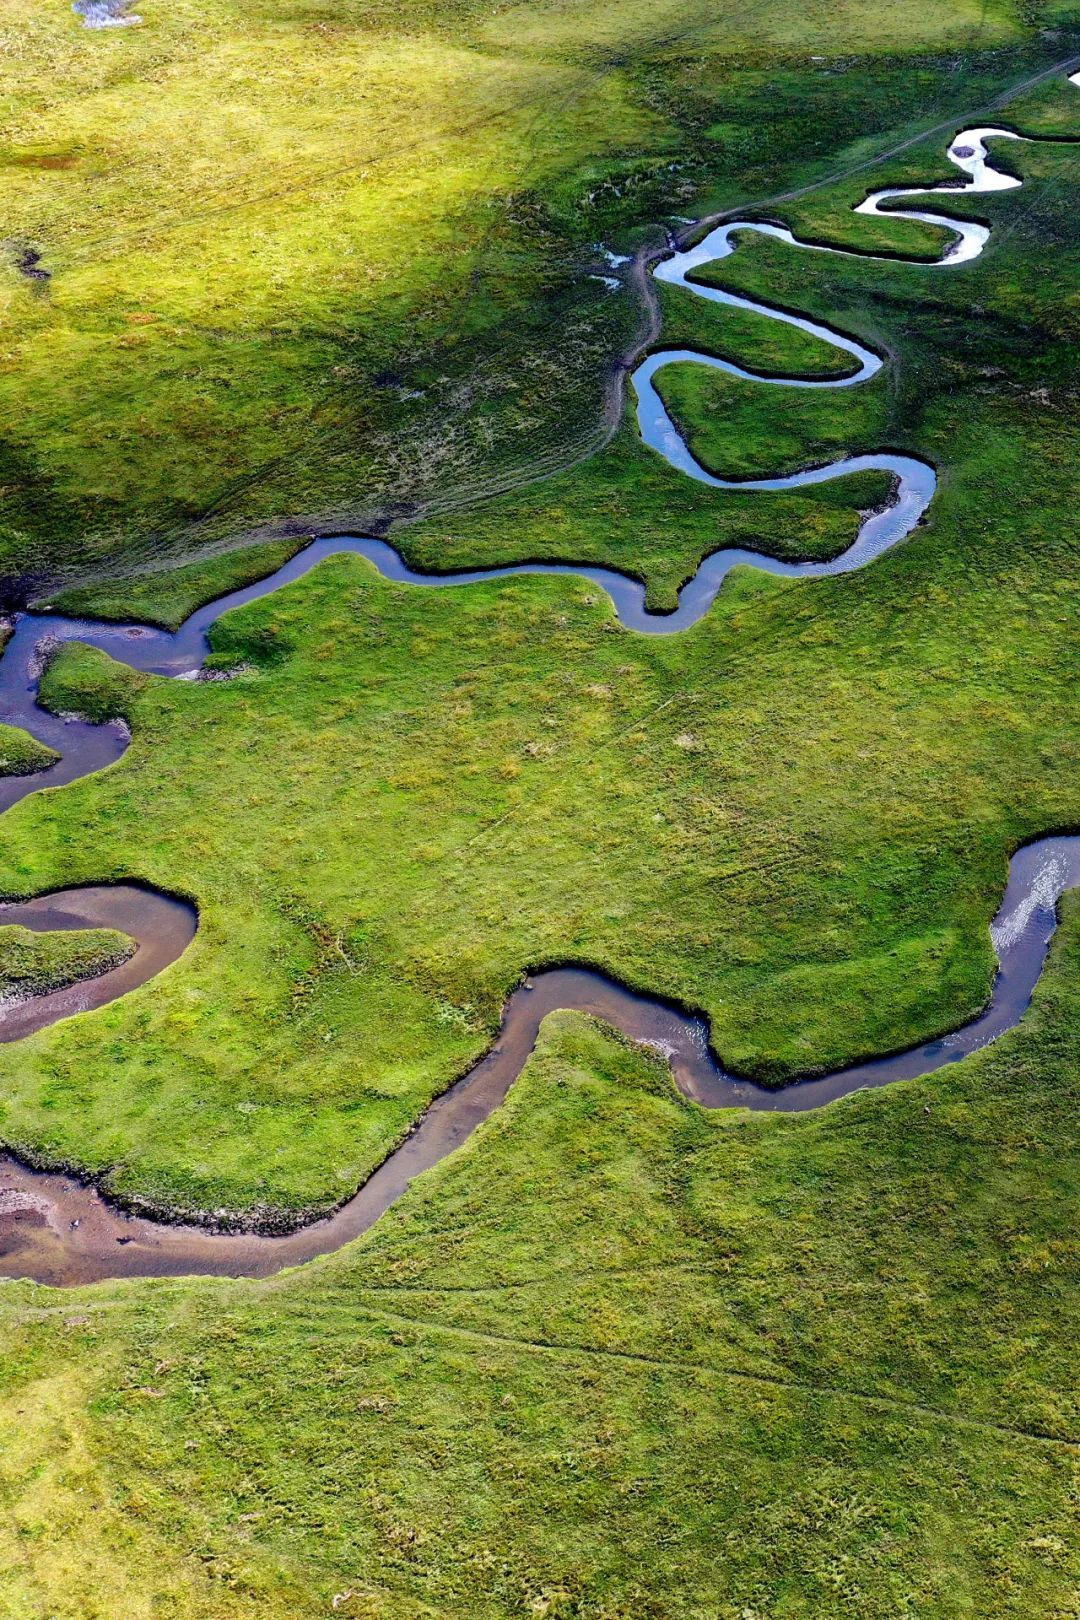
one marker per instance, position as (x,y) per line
(21,754)
(32,963)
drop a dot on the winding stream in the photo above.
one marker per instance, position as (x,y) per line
(161,926)
(915,481)
(60,1231)
(85,748)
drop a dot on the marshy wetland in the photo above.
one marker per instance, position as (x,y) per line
(420,880)
(64,1233)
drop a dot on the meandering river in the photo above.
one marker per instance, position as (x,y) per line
(59,1231)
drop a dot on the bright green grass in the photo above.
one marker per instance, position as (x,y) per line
(314,267)
(167,597)
(795,816)
(31,964)
(20,753)
(618,1359)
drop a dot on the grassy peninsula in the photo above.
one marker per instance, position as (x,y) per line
(618,1358)
(32,964)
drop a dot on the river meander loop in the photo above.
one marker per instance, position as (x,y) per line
(62,1231)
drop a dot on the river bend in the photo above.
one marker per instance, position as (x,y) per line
(61,1231)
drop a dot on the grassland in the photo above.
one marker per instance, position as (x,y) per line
(618,1359)
(317,267)
(167,597)
(534,784)
(20,753)
(795,816)
(31,964)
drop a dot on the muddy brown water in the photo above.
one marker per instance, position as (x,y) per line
(61,1231)
(162,928)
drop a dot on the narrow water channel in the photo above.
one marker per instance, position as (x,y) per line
(59,1231)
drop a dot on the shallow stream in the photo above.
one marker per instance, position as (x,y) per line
(60,1231)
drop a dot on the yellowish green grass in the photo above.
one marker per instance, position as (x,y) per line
(323,266)
(617,1359)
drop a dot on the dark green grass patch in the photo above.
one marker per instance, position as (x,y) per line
(81,680)
(168,597)
(31,964)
